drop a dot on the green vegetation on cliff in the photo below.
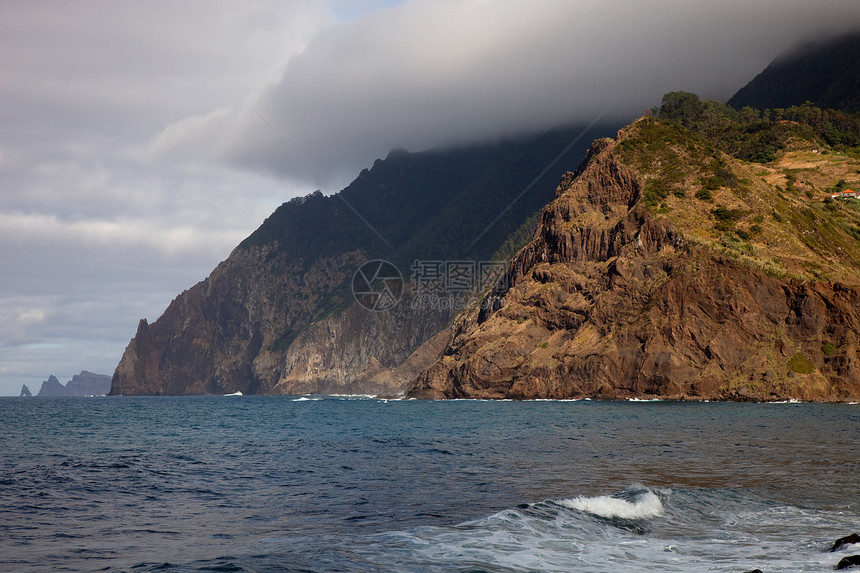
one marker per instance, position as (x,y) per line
(755,135)
(703,167)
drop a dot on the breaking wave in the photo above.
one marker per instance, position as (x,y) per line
(645,504)
(637,530)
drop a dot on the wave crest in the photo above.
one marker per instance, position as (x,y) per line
(644,506)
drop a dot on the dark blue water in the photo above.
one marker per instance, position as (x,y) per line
(335,484)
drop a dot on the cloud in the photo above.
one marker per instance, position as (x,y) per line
(94,234)
(433,73)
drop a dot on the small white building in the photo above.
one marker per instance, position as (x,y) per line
(845,194)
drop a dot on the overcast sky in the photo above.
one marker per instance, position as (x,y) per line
(141,141)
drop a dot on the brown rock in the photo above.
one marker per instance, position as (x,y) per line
(279,315)
(843,541)
(610,300)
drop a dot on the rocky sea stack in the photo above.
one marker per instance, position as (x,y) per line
(668,268)
(83,384)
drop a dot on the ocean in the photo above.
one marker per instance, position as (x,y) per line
(347,484)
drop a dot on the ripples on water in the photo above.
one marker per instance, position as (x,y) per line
(337,484)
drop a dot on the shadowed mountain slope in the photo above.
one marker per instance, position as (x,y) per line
(825,73)
(278,315)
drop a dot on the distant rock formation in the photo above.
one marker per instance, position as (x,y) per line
(89,384)
(83,384)
(25,392)
(52,387)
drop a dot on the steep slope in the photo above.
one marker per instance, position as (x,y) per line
(83,384)
(278,316)
(826,74)
(89,384)
(666,268)
(52,387)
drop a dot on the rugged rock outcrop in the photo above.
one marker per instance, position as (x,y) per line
(278,316)
(52,387)
(849,562)
(363,352)
(260,335)
(632,287)
(844,541)
(83,384)
(221,335)
(89,384)
(25,392)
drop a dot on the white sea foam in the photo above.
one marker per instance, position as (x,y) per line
(702,530)
(645,506)
(307,399)
(237,393)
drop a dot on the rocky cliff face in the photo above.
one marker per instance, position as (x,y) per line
(223,334)
(89,384)
(278,316)
(263,335)
(83,384)
(633,287)
(52,387)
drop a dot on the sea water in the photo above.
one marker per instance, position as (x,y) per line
(245,483)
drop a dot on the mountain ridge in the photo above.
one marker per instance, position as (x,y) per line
(278,315)
(83,384)
(739,192)
(651,275)
(825,73)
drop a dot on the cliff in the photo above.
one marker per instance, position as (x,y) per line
(83,384)
(666,268)
(89,384)
(279,315)
(52,387)
(253,327)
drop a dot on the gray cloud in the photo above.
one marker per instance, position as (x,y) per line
(94,234)
(133,155)
(431,73)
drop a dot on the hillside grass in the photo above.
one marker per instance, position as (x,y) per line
(775,217)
